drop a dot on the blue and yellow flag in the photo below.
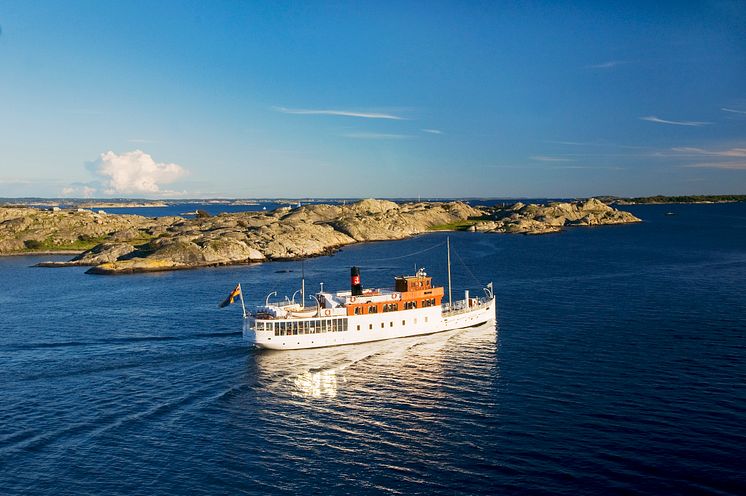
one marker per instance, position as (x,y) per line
(231,297)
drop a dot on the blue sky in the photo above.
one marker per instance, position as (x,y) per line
(386,99)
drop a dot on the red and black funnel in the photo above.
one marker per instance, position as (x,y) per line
(355,285)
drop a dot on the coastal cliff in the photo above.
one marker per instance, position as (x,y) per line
(117,244)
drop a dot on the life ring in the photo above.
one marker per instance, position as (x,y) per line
(396,296)
(327,312)
(353,299)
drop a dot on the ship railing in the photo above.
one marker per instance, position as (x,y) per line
(462,306)
(321,313)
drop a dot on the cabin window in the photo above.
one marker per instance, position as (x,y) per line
(391,324)
(370,327)
(403,322)
(357,310)
(358,327)
(373,309)
(425,319)
(382,325)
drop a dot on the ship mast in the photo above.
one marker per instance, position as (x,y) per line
(303,283)
(448,243)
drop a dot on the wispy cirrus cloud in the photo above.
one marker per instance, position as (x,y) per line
(340,113)
(545,158)
(733,111)
(733,152)
(609,64)
(432,131)
(656,119)
(377,136)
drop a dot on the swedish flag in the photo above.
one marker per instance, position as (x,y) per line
(236,293)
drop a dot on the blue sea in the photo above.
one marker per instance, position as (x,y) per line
(617,366)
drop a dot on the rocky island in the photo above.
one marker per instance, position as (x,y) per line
(119,244)
(542,219)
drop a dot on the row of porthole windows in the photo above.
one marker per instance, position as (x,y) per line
(391,324)
(295,327)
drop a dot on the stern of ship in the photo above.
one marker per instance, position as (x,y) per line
(249,332)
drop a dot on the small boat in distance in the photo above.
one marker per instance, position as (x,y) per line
(413,307)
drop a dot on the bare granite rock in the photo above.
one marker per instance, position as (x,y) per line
(121,244)
(544,219)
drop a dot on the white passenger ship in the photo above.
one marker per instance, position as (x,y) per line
(414,307)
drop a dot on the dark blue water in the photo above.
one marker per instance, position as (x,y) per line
(618,367)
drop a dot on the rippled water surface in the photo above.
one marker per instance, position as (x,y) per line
(617,365)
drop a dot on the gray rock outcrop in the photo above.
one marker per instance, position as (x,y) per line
(544,219)
(116,244)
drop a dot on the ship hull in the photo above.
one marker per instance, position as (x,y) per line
(354,329)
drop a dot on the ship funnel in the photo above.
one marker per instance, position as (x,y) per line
(355,286)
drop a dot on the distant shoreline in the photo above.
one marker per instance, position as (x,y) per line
(100,203)
(675,200)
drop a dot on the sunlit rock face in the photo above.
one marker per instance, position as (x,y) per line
(543,219)
(139,244)
(114,244)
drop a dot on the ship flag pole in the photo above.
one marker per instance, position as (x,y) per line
(240,294)
(448,243)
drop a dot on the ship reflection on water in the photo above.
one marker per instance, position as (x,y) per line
(326,373)
(318,384)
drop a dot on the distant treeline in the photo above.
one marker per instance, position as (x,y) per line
(684,199)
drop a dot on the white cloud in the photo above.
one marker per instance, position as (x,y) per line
(342,113)
(653,118)
(733,111)
(377,136)
(733,152)
(432,131)
(134,172)
(544,158)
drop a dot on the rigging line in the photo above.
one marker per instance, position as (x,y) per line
(405,256)
(466,267)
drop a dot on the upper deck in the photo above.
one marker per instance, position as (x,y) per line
(410,292)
